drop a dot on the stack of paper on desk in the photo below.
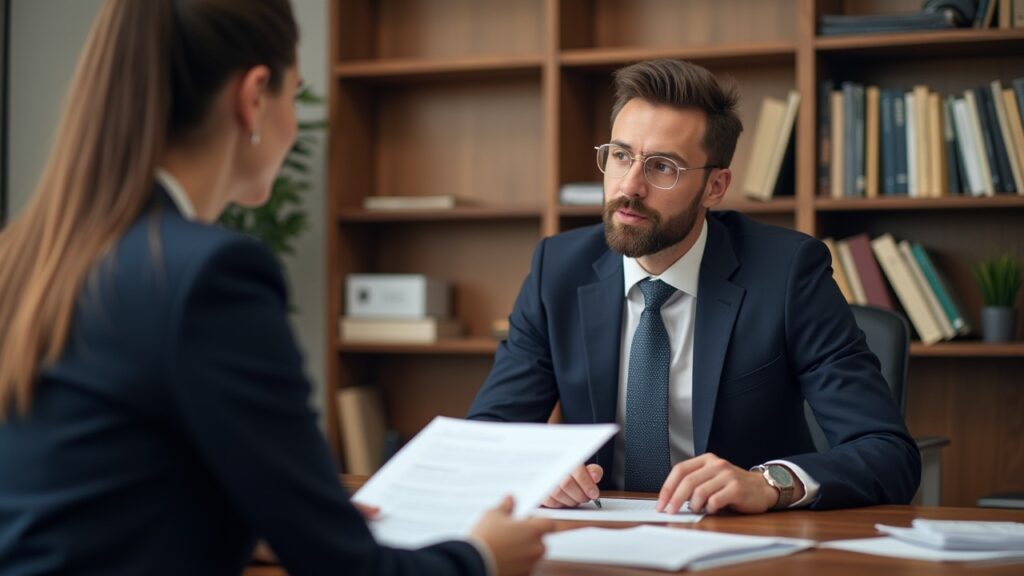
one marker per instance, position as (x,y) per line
(943,541)
(664,548)
(438,486)
(960,535)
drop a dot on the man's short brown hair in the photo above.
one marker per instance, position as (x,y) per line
(685,85)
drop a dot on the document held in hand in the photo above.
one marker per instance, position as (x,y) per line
(453,471)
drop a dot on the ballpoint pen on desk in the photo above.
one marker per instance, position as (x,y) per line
(597,502)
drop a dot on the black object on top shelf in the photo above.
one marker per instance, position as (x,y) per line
(935,15)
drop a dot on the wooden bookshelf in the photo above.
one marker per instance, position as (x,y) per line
(502,102)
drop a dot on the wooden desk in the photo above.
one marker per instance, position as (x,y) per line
(821,526)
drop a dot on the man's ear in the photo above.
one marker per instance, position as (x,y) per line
(717,185)
(251,97)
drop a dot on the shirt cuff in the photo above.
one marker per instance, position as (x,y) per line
(490,567)
(811,487)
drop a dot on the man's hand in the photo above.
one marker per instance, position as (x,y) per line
(580,487)
(713,484)
(515,545)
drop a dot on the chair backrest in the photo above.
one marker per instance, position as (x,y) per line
(888,336)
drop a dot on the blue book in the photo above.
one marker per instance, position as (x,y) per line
(899,128)
(888,143)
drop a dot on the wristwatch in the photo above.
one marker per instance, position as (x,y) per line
(780,478)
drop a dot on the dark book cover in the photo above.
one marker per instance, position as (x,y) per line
(986,137)
(871,280)
(888,143)
(954,164)
(1018,91)
(899,131)
(999,147)
(824,138)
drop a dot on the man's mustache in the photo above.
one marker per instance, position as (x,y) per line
(632,204)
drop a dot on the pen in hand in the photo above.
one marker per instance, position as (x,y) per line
(597,502)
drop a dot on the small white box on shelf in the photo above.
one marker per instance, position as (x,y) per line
(396,296)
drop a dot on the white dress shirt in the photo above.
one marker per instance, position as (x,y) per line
(679,315)
(177,193)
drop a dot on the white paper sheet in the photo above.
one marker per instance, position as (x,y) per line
(619,510)
(444,479)
(889,546)
(665,548)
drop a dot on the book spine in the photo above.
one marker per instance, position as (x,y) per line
(849,146)
(899,135)
(871,128)
(870,275)
(954,165)
(888,144)
(968,149)
(984,164)
(824,136)
(838,111)
(993,142)
(1006,136)
(910,105)
(928,269)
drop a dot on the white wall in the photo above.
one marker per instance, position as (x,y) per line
(46,38)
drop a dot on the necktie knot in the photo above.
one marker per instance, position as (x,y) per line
(656,293)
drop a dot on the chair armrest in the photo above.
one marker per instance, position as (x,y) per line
(931,442)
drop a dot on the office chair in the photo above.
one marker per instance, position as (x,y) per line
(888,336)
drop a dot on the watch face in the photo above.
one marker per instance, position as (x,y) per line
(780,476)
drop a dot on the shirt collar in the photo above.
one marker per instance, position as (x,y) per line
(177,193)
(682,275)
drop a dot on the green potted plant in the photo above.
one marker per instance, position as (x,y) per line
(1000,279)
(282,218)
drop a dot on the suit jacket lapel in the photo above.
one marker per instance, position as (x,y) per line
(718,302)
(601,315)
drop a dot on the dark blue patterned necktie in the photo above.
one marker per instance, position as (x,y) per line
(647,452)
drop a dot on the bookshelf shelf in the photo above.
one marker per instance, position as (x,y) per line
(904,203)
(776,52)
(775,206)
(468,213)
(956,43)
(413,69)
(463,347)
(968,349)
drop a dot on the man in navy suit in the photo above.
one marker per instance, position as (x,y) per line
(701,333)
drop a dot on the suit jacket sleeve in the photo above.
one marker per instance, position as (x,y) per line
(243,402)
(521,386)
(873,459)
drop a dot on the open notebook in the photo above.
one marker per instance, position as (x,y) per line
(665,548)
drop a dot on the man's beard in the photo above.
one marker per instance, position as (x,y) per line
(650,237)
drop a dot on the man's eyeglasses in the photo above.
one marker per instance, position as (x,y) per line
(660,172)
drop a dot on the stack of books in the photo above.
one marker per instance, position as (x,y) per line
(771,156)
(918,143)
(861,267)
(397,309)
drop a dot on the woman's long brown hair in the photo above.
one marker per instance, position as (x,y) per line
(147,74)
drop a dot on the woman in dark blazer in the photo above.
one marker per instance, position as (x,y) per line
(154,415)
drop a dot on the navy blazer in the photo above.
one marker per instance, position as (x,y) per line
(175,429)
(771,330)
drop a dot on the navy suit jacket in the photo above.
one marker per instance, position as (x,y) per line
(175,429)
(771,330)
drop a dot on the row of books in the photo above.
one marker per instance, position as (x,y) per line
(771,156)
(918,143)
(864,269)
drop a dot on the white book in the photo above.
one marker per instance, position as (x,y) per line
(663,548)
(438,202)
(968,148)
(766,135)
(581,194)
(937,313)
(899,276)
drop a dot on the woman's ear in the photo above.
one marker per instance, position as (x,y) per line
(251,99)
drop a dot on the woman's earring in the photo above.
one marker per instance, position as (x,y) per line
(254,138)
